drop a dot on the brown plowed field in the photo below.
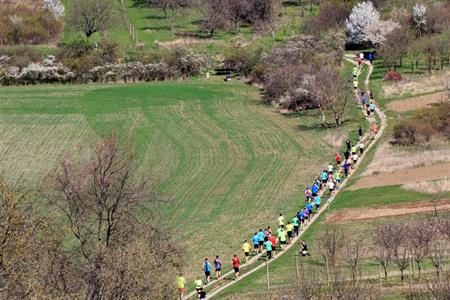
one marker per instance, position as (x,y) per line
(415,102)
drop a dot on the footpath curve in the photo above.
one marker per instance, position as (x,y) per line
(383,123)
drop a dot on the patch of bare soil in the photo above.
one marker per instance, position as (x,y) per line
(360,214)
(416,102)
(335,138)
(183,42)
(422,84)
(432,172)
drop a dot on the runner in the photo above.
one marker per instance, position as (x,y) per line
(317,202)
(363,99)
(324,177)
(331,186)
(260,239)
(348,145)
(360,132)
(361,55)
(304,250)
(246,249)
(268,245)
(346,168)
(202,295)
(361,148)
(355,84)
(236,263)
(372,107)
(306,215)
(267,232)
(359,60)
(281,221)
(355,158)
(198,283)
(374,129)
(338,159)
(338,179)
(314,190)
(308,193)
(282,237)
(181,282)
(330,169)
(255,240)
(347,154)
(309,207)
(353,149)
(295,222)
(368,111)
(290,231)
(355,71)
(207,269)
(273,240)
(218,266)
(370,57)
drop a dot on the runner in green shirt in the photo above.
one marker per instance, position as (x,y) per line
(282,237)
(268,245)
(296,225)
(181,282)
(198,283)
(290,231)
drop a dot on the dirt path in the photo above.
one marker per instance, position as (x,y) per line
(360,214)
(427,173)
(415,102)
(222,285)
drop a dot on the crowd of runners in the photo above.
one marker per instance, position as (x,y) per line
(269,241)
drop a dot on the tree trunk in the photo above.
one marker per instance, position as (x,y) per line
(172,19)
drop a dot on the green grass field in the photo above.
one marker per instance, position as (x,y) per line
(228,163)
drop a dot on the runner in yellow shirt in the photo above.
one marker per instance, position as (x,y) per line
(281,221)
(198,283)
(181,282)
(246,249)
(290,231)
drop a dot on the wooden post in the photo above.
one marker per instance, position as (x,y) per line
(379,276)
(410,274)
(267,276)
(297,271)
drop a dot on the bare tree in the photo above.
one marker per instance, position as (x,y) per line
(383,246)
(398,236)
(91,16)
(330,243)
(325,89)
(340,104)
(101,201)
(420,235)
(436,256)
(354,253)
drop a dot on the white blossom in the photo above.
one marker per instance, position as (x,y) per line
(419,16)
(376,33)
(363,16)
(55,7)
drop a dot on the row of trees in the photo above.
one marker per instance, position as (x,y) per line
(97,238)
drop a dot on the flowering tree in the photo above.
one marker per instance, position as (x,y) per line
(362,18)
(55,7)
(376,33)
(419,17)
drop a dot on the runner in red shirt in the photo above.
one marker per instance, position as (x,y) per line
(338,159)
(273,240)
(236,263)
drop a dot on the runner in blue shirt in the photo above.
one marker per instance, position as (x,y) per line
(255,240)
(260,240)
(317,202)
(314,189)
(207,269)
(309,207)
(324,177)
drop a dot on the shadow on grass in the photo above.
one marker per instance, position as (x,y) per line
(153,17)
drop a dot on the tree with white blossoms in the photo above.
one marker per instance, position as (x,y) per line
(376,33)
(420,17)
(363,17)
(55,7)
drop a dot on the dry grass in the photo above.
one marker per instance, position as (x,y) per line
(335,138)
(421,84)
(390,159)
(430,187)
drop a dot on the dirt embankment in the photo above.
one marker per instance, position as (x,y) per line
(416,102)
(360,214)
(432,172)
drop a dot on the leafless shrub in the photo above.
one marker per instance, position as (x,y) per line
(330,243)
(354,254)
(420,235)
(383,246)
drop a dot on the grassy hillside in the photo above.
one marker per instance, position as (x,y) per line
(228,163)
